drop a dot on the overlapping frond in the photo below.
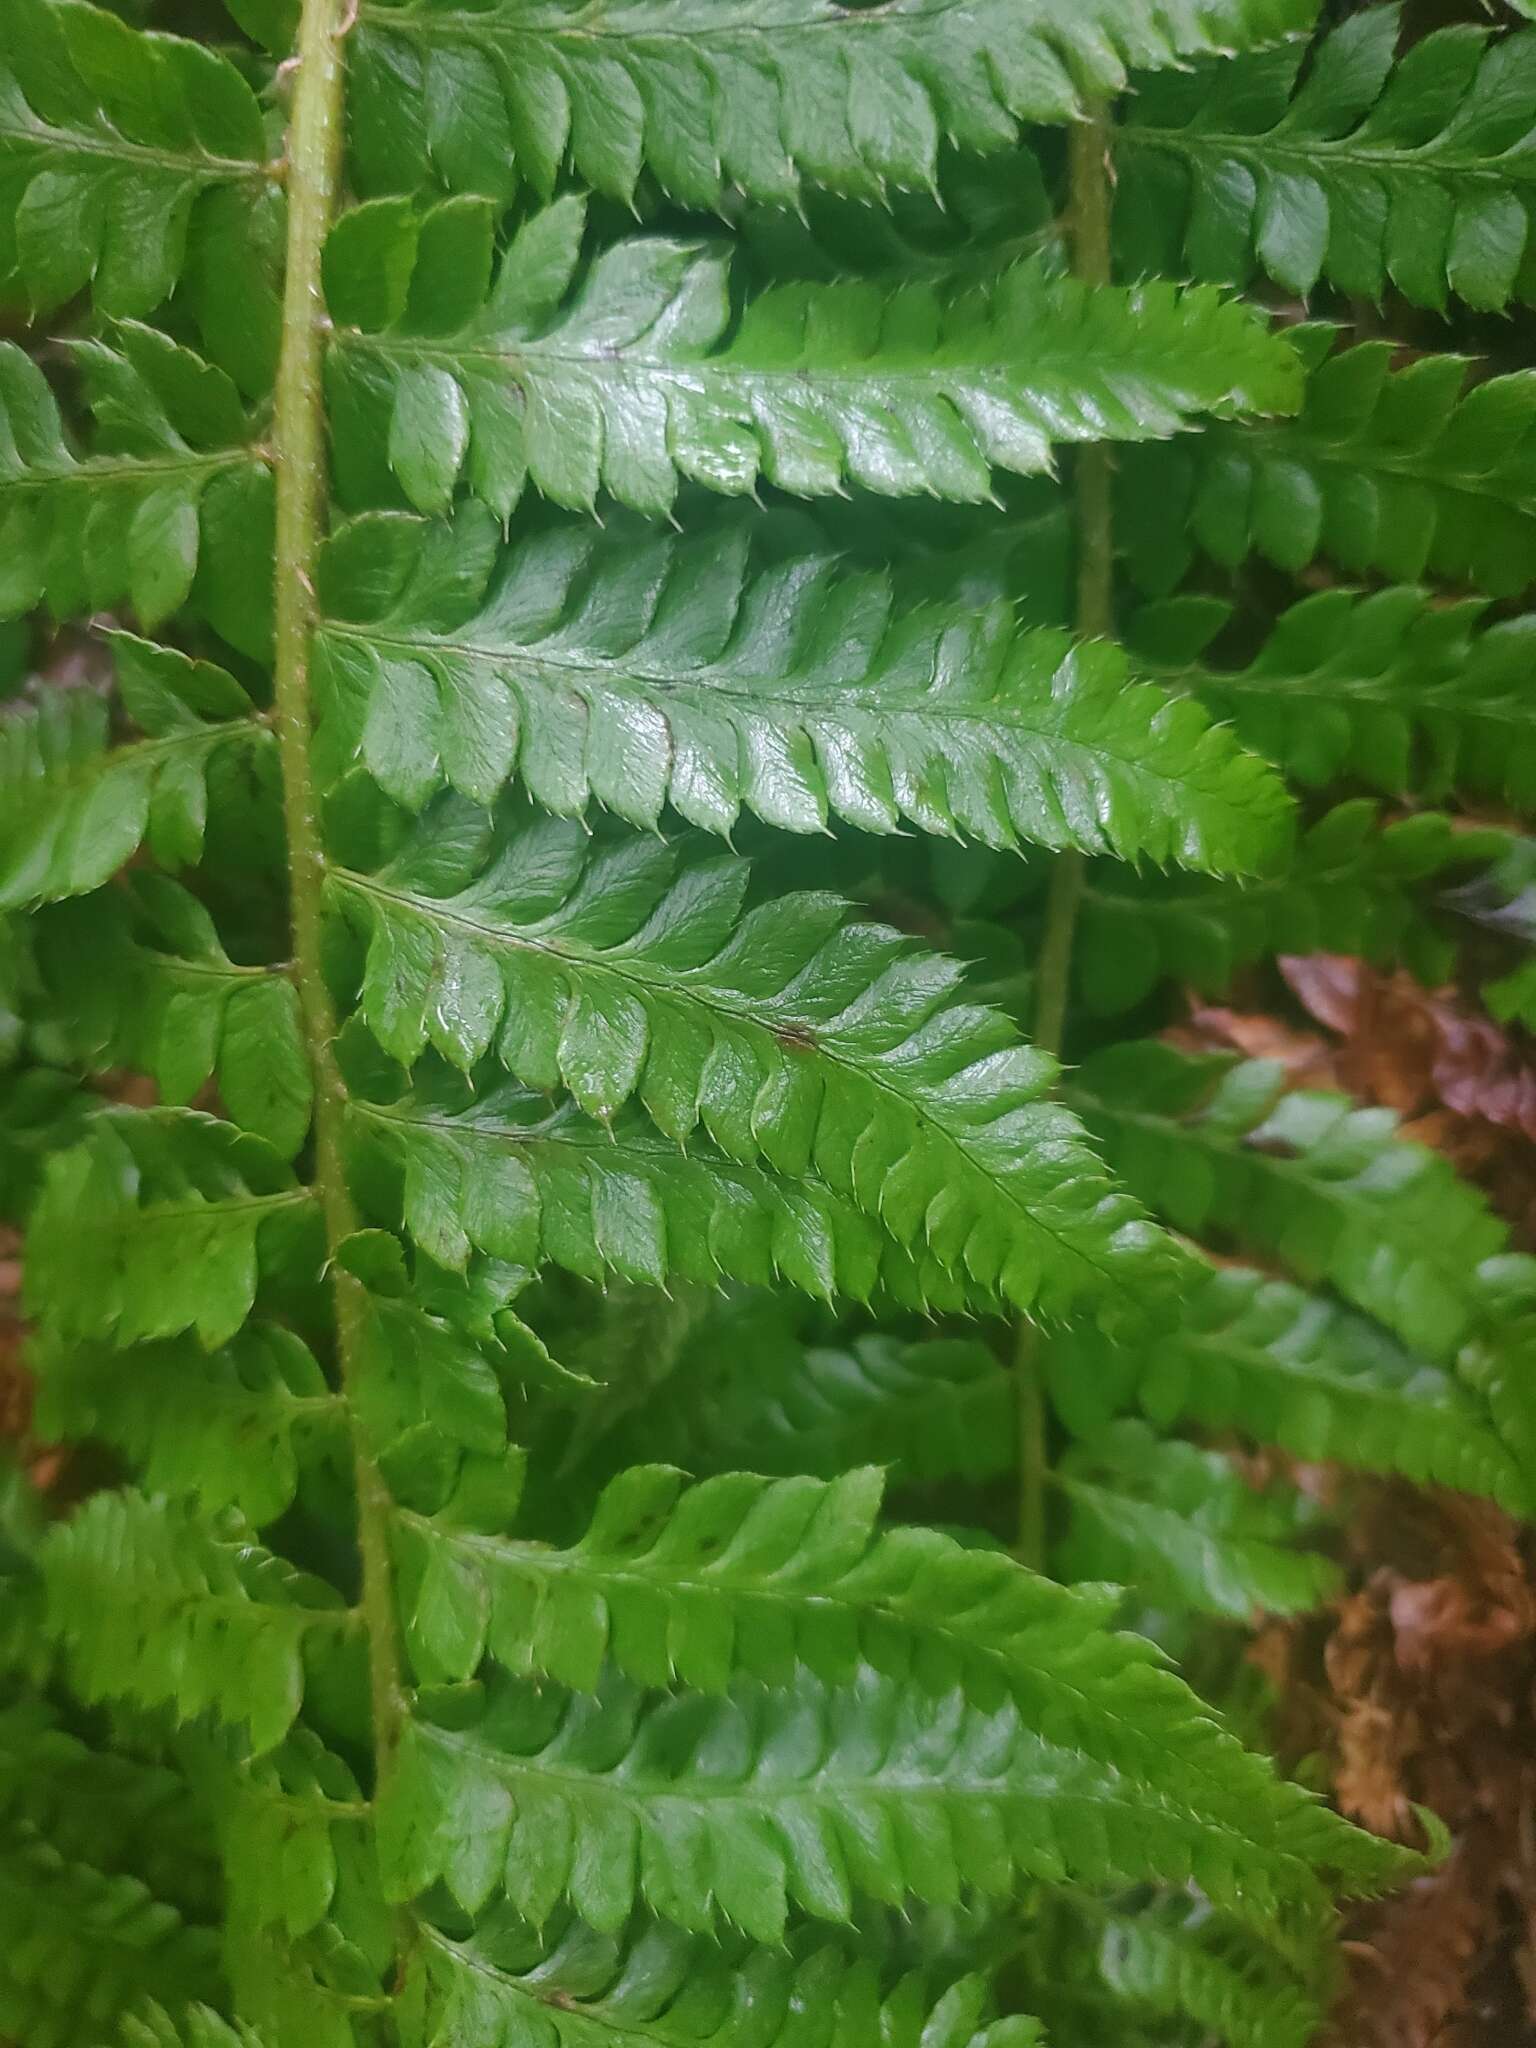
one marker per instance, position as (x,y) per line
(83,1948)
(758,96)
(752,1394)
(574,1988)
(151,1603)
(741,1578)
(1292,1370)
(678,673)
(296,1834)
(168,502)
(108,140)
(143,971)
(500,1171)
(736,1808)
(1366,170)
(1393,468)
(199,2026)
(826,1050)
(1334,1190)
(1093,1973)
(77,808)
(174,1214)
(1399,689)
(248,1415)
(93,1804)
(1360,883)
(644,378)
(1181,1527)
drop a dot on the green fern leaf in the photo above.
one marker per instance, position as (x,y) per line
(175,1215)
(634,385)
(1332,1189)
(736,1808)
(979,219)
(1398,470)
(632,972)
(750,1392)
(1097,1973)
(249,1416)
(1419,173)
(1296,1371)
(170,502)
(199,2026)
(741,1576)
(709,97)
(144,972)
(83,1948)
(152,1604)
(94,1805)
(503,1173)
(108,142)
(77,809)
(1357,885)
(1183,1529)
(1399,689)
(579,1989)
(296,1833)
(676,673)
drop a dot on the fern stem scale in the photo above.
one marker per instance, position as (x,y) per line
(314,156)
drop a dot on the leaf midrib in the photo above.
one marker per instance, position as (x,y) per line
(95,469)
(1395,689)
(475,26)
(716,680)
(197,169)
(1200,142)
(1015,379)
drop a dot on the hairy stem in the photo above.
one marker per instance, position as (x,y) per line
(1093,485)
(314,167)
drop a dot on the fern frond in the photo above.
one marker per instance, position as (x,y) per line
(751,1393)
(122,1815)
(1182,1528)
(501,1172)
(1419,172)
(979,219)
(1396,470)
(708,97)
(83,1948)
(75,808)
(1358,884)
(1333,1190)
(169,502)
(173,1214)
(824,1049)
(1295,1371)
(296,1834)
(151,1603)
(199,2026)
(108,140)
(644,378)
(682,673)
(740,1577)
(579,1989)
(249,1416)
(1100,1974)
(1401,690)
(144,971)
(734,1809)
